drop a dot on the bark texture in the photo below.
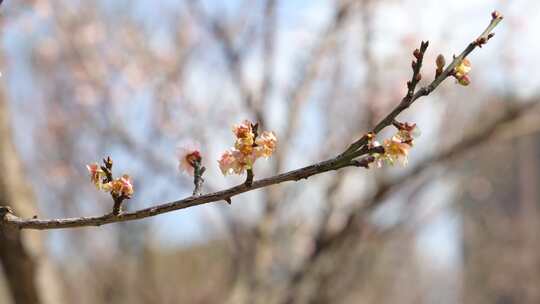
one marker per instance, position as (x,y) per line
(17,263)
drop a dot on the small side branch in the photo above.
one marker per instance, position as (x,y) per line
(198,180)
(249,178)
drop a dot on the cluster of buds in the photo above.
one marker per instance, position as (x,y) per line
(101,176)
(461,72)
(248,147)
(416,66)
(396,148)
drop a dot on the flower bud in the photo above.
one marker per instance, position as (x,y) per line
(496,15)
(463,68)
(440,62)
(416,54)
(464,80)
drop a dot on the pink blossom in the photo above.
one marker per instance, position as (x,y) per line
(227,162)
(188,154)
(247,149)
(266,144)
(96,174)
(122,186)
(243,130)
(244,137)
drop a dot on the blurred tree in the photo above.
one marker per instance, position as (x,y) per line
(18,262)
(130,78)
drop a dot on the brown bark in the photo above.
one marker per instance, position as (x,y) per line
(18,266)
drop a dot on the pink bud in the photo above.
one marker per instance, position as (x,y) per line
(496,15)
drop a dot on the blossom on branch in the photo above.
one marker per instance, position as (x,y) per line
(395,151)
(396,148)
(102,178)
(248,147)
(461,72)
(189,154)
(265,144)
(96,174)
(122,186)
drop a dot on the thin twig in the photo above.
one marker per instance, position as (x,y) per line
(407,101)
(198,180)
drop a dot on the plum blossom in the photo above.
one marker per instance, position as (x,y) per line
(396,148)
(122,186)
(96,174)
(248,147)
(101,177)
(244,137)
(228,163)
(265,144)
(235,162)
(461,72)
(188,153)
(396,151)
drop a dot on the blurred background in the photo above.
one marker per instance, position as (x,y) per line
(131,79)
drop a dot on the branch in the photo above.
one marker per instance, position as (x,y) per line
(325,241)
(409,99)
(345,159)
(10,219)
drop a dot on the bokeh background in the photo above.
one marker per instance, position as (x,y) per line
(131,79)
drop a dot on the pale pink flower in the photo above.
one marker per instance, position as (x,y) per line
(245,161)
(247,149)
(188,154)
(244,137)
(463,68)
(96,174)
(243,130)
(461,72)
(228,162)
(235,162)
(266,144)
(396,151)
(122,186)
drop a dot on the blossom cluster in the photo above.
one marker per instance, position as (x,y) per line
(248,147)
(396,148)
(120,187)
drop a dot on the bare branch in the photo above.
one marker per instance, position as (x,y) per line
(346,159)
(295,175)
(409,99)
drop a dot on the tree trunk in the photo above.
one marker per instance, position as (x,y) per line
(17,263)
